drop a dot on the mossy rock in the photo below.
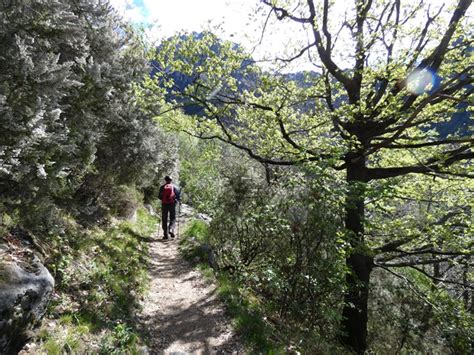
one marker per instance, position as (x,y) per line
(24,295)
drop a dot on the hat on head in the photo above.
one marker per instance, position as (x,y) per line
(167,178)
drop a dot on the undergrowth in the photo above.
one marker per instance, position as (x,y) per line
(100,281)
(241,305)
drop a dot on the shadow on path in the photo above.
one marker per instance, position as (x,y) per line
(182,313)
(194,327)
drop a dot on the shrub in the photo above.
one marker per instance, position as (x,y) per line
(282,242)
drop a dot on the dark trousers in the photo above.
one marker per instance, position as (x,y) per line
(168,223)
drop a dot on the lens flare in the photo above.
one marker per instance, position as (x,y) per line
(420,81)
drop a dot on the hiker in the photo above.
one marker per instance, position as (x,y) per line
(169,196)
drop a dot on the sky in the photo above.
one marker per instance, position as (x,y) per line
(237,20)
(240,21)
(166,17)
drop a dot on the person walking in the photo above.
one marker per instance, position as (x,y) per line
(169,196)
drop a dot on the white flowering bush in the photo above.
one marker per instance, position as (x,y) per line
(68,113)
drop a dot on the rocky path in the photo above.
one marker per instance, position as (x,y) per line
(181,312)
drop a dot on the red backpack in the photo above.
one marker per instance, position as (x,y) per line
(168,197)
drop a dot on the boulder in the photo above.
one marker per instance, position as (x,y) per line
(25,290)
(203,217)
(211,258)
(185,211)
(150,209)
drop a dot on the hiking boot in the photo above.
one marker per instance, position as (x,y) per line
(172,235)
(165,237)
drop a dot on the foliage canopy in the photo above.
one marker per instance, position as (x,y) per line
(387,74)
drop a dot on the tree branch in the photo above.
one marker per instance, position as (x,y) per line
(412,262)
(437,279)
(325,56)
(384,83)
(430,144)
(435,59)
(282,13)
(393,245)
(361,16)
(383,173)
(421,42)
(300,53)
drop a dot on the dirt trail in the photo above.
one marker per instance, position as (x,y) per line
(182,313)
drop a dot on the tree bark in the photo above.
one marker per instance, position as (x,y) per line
(360,264)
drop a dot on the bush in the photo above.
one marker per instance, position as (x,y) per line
(282,241)
(70,124)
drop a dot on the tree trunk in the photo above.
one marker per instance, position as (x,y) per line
(360,263)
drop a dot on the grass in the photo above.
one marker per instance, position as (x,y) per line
(68,336)
(247,317)
(246,313)
(194,236)
(197,230)
(102,280)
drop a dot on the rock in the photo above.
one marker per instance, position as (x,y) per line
(25,290)
(204,217)
(144,350)
(211,259)
(150,209)
(133,216)
(185,210)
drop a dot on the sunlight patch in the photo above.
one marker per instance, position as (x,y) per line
(420,81)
